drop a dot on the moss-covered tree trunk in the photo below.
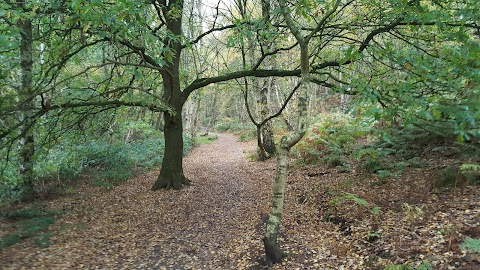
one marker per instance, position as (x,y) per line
(268,143)
(267,130)
(272,249)
(27,143)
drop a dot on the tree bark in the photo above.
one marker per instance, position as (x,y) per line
(268,142)
(171,172)
(272,249)
(27,142)
(194,124)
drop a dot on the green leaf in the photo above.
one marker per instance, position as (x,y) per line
(471,244)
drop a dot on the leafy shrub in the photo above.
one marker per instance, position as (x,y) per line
(230,125)
(471,172)
(333,136)
(373,165)
(349,196)
(335,160)
(384,174)
(449,176)
(206,139)
(247,135)
(345,168)
(471,244)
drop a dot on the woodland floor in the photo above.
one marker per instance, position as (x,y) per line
(218,222)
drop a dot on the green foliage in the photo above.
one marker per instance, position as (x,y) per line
(230,125)
(29,223)
(332,137)
(394,151)
(131,148)
(334,160)
(349,196)
(471,244)
(244,131)
(246,135)
(384,174)
(449,176)
(376,160)
(373,165)
(112,161)
(445,103)
(376,210)
(27,213)
(471,172)
(206,139)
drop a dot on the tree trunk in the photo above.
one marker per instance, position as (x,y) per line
(196,110)
(267,129)
(171,172)
(159,121)
(272,249)
(213,111)
(27,143)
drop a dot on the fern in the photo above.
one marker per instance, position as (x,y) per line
(471,244)
(470,168)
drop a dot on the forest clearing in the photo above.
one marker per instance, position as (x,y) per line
(240,134)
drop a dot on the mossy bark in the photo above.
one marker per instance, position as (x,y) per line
(267,130)
(27,142)
(272,250)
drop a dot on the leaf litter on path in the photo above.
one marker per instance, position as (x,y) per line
(218,222)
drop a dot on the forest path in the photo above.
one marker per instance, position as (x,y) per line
(216,218)
(218,222)
(213,224)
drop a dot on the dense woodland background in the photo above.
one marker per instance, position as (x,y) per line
(97,92)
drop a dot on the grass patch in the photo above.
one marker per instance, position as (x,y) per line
(29,223)
(206,139)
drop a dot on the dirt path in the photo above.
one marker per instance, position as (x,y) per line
(217,223)
(217,216)
(214,224)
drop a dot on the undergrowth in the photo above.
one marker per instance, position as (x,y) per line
(32,222)
(385,151)
(245,132)
(206,139)
(110,159)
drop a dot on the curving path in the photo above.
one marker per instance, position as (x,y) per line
(214,224)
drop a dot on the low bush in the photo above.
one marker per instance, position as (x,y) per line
(29,223)
(333,137)
(231,125)
(133,148)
